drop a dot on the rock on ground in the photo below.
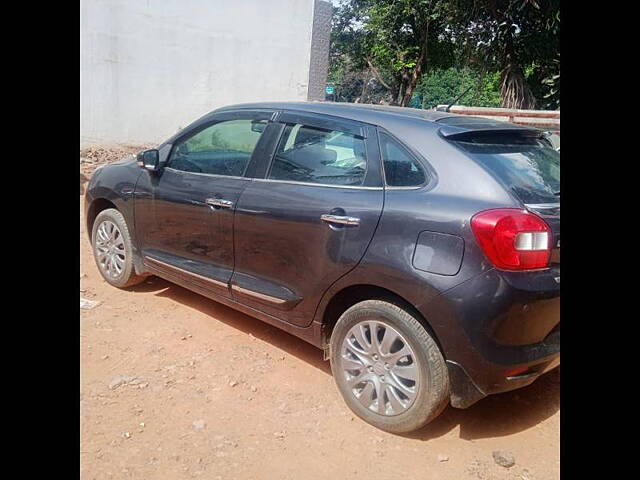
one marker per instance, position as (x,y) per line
(503,458)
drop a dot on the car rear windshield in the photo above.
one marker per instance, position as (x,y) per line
(529,166)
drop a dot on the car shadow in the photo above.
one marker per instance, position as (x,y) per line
(494,416)
(245,323)
(500,414)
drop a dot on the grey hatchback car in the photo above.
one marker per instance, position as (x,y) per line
(419,249)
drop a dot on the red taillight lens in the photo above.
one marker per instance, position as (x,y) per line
(513,239)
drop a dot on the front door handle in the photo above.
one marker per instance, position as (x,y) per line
(219,202)
(340,220)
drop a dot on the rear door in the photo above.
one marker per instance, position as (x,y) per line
(308,216)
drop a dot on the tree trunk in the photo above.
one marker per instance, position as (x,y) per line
(514,90)
(366,78)
(417,70)
(398,98)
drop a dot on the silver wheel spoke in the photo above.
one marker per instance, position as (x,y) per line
(366,395)
(394,382)
(410,372)
(356,379)
(360,354)
(102,233)
(373,331)
(350,364)
(117,267)
(387,340)
(394,400)
(119,261)
(400,354)
(359,333)
(380,395)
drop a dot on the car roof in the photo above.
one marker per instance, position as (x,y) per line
(385,116)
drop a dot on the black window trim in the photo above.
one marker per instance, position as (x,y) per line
(429,172)
(320,120)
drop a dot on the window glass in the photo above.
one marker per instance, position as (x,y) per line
(401,169)
(221,149)
(314,155)
(529,166)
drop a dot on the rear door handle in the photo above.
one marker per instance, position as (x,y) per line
(219,202)
(340,220)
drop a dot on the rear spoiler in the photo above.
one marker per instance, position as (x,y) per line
(462,134)
(466,127)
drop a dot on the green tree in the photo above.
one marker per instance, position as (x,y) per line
(443,86)
(519,38)
(389,40)
(381,48)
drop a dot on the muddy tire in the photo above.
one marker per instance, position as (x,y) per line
(112,249)
(388,368)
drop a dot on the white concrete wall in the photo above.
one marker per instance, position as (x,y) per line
(149,67)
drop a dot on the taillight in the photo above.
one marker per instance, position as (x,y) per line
(513,239)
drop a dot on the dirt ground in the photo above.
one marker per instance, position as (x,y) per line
(174,386)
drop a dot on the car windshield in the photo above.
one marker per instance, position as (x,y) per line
(528,166)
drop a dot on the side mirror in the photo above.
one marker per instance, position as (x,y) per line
(150,160)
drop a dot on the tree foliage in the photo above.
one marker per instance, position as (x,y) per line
(518,38)
(443,86)
(384,47)
(390,40)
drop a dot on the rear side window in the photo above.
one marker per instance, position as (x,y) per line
(315,155)
(528,166)
(223,148)
(401,168)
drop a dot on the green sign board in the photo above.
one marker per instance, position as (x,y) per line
(329,89)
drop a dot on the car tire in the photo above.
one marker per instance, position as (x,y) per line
(376,370)
(112,249)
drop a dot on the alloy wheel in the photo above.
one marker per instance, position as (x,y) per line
(110,249)
(380,367)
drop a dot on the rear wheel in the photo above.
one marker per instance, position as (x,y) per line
(112,249)
(387,367)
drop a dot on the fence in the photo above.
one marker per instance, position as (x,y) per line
(543,119)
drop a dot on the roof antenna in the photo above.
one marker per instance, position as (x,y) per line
(457,99)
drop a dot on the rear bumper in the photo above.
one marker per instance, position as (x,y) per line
(464,391)
(499,331)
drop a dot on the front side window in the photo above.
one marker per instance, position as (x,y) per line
(401,169)
(223,148)
(314,155)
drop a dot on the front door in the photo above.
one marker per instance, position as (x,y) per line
(193,200)
(309,219)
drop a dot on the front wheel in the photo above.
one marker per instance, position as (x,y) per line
(387,367)
(112,249)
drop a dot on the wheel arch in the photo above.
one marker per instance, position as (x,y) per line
(352,294)
(97,205)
